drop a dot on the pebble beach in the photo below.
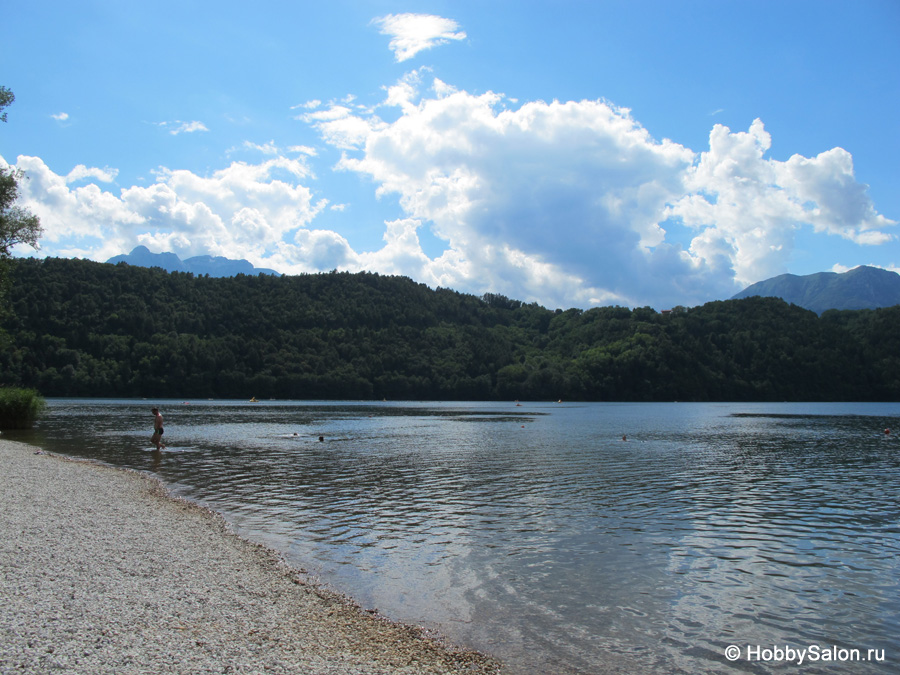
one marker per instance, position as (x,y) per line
(102,571)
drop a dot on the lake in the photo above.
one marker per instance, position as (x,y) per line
(563,538)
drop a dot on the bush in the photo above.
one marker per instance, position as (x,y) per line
(19,408)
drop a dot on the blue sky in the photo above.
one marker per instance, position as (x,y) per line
(569,153)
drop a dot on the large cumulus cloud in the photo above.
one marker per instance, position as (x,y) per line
(746,208)
(243,211)
(569,203)
(564,203)
(541,201)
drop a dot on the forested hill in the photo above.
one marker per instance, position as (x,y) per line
(79,328)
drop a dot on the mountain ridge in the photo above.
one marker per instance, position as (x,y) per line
(214,266)
(863,287)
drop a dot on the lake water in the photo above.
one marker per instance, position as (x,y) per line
(536,533)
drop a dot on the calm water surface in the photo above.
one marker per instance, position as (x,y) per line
(536,533)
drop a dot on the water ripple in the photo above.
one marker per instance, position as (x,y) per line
(537,533)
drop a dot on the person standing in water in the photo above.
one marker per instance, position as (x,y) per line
(156,438)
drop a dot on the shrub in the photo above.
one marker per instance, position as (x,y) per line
(19,408)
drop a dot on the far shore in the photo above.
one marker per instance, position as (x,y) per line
(102,571)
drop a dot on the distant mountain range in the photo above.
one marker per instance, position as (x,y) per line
(859,288)
(214,266)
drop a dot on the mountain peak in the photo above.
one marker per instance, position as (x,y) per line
(214,266)
(860,288)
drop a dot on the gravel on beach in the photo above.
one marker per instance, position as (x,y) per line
(101,571)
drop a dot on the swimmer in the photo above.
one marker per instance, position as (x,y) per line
(156,438)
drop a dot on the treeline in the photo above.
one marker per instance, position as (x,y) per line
(78,328)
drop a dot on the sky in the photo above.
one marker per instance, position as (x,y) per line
(574,154)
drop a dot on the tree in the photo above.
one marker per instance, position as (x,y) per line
(17,224)
(6,99)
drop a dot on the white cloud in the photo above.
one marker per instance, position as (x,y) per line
(564,203)
(73,219)
(837,203)
(412,33)
(749,208)
(840,269)
(60,117)
(340,126)
(178,127)
(266,148)
(540,202)
(81,172)
(402,253)
(321,250)
(271,149)
(309,105)
(242,211)
(569,203)
(303,150)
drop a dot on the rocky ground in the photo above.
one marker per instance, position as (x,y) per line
(101,571)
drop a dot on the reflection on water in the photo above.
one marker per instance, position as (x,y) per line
(536,533)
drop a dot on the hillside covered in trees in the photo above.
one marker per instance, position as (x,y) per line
(79,328)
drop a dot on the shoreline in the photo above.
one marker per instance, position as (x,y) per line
(102,570)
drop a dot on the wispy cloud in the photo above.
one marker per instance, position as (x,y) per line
(178,127)
(309,105)
(303,150)
(840,269)
(61,117)
(82,172)
(413,33)
(266,148)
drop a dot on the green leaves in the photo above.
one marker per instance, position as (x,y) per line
(17,224)
(19,408)
(6,99)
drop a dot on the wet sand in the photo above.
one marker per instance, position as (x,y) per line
(102,571)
